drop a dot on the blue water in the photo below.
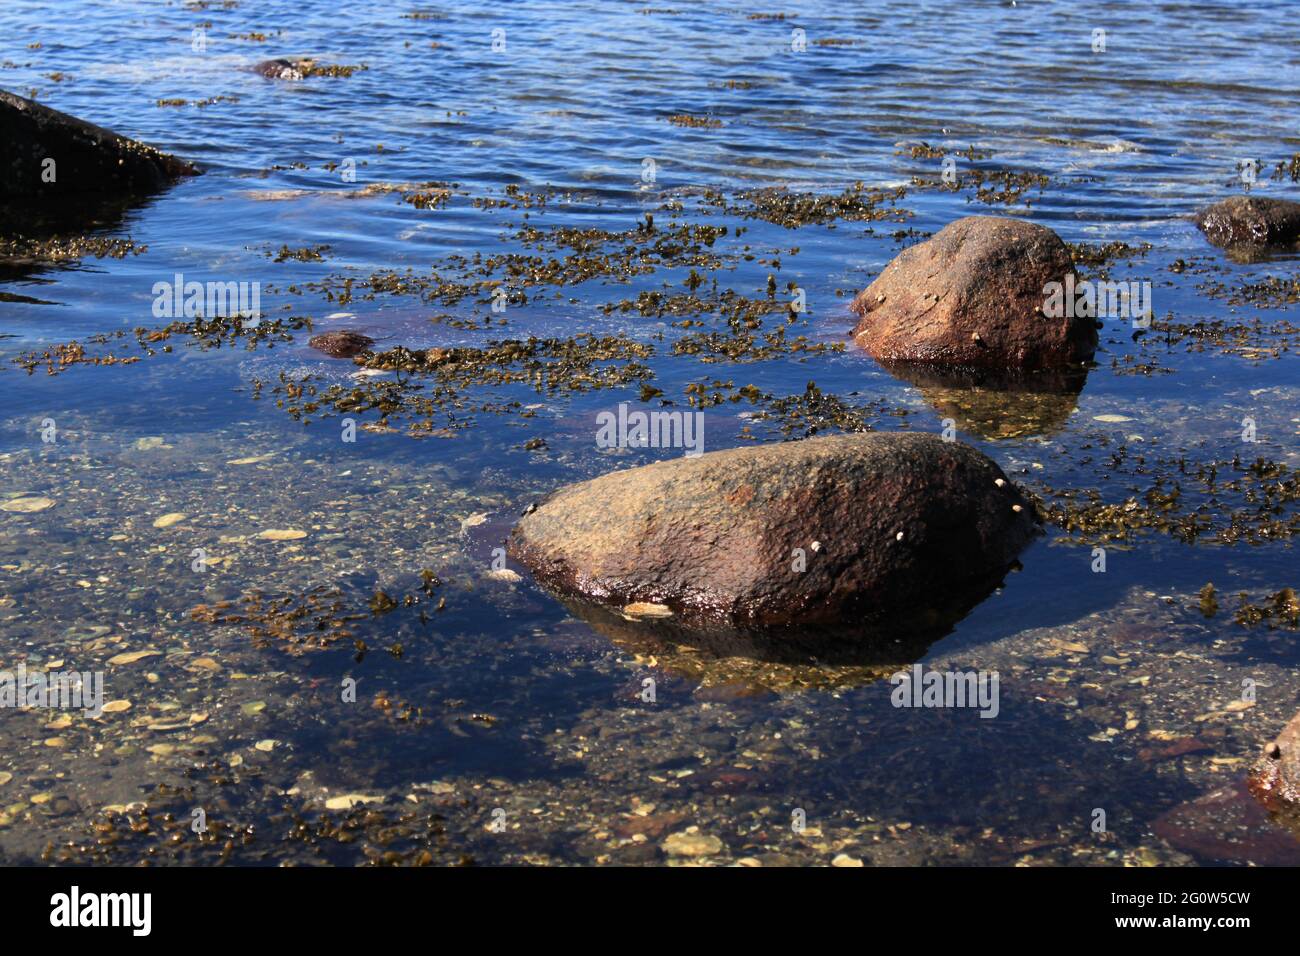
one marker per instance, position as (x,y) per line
(573,102)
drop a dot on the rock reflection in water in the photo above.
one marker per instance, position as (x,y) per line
(996,405)
(784,659)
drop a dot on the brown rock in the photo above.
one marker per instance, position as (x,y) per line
(885,524)
(86,158)
(343,343)
(1251,221)
(1275,779)
(1227,826)
(973,295)
(282,69)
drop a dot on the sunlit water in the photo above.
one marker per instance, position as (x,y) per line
(502,701)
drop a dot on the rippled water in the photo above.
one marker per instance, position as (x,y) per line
(502,701)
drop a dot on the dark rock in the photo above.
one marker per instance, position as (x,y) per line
(281,69)
(1251,221)
(87,159)
(887,524)
(974,295)
(1275,779)
(343,343)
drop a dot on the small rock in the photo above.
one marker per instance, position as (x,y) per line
(167,520)
(348,800)
(643,609)
(117,706)
(341,343)
(130,657)
(1250,221)
(281,534)
(691,842)
(27,505)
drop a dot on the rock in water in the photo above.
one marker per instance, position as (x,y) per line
(86,159)
(1251,221)
(1275,779)
(282,69)
(975,294)
(859,527)
(342,343)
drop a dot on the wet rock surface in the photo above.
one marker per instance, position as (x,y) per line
(282,69)
(1251,222)
(852,527)
(1276,777)
(343,343)
(973,295)
(86,158)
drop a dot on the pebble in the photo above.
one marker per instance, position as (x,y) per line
(348,800)
(281,534)
(27,505)
(169,519)
(117,706)
(643,609)
(690,842)
(130,657)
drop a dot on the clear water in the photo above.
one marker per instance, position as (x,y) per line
(514,705)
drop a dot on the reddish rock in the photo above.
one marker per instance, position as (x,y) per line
(886,525)
(86,158)
(974,295)
(343,343)
(1251,221)
(1275,779)
(1170,750)
(1229,826)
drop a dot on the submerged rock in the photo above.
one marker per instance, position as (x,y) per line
(1251,221)
(1275,779)
(1229,826)
(974,295)
(343,343)
(47,154)
(863,527)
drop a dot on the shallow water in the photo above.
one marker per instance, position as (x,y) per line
(502,701)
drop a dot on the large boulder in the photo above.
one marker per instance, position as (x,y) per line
(87,159)
(975,295)
(863,527)
(1275,779)
(1250,221)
